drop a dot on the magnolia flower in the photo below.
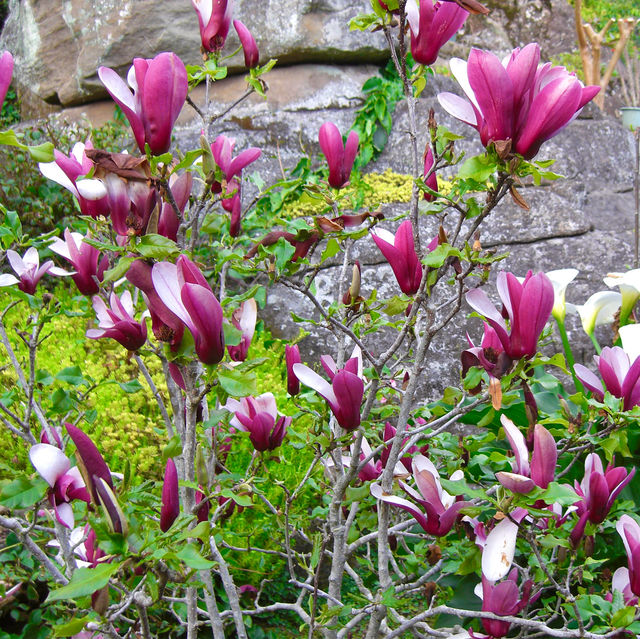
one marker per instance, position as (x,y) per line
(244,319)
(168,222)
(598,490)
(560,280)
(249,46)
(500,546)
(406,461)
(629,285)
(540,473)
(621,582)
(340,157)
(629,530)
(400,251)
(490,355)
(187,294)
(67,171)
(159,87)
(503,599)
(621,378)
(214,17)
(599,309)
(432,26)
(515,101)
(259,417)
(292,356)
(170,496)
(28,270)
(528,305)
(83,541)
(439,510)
(117,322)
(131,203)
(344,393)
(432,180)
(66,483)
(630,337)
(85,259)
(6,71)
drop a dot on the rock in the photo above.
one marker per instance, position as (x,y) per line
(59,49)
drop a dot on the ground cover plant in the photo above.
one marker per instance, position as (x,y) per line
(326,498)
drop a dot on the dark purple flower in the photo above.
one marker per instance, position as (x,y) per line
(292,356)
(131,204)
(117,322)
(187,294)
(170,496)
(85,259)
(28,270)
(6,72)
(249,46)
(629,530)
(214,17)
(168,222)
(503,599)
(344,393)
(528,306)
(160,87)
(340,156)
(515,101)
(432,26)
(432,180)
(244,319)
(437,510)
(259,417)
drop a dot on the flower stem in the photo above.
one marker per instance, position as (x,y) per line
(568,353)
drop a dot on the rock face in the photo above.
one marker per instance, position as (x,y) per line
(59,46)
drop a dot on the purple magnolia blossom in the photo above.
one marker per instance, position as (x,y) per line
(490,355)
(344,393)
(131,204)
(621,582)
(170,496)
(500,545)
(542,469)
(437,510)
(186,293)
(244,319)
(166,325)
(292,356)
(515,101)
(168,222)
(528,306)
(259,417)
(432,180)
(67,171)
(214,17)
(160,87)
(249,46)
(406,460)
(503,599)
(629,530)
(28,270)
(620,377)
(400,251)
(222,150)
(117,322)
(66,483)
(432,26)
(340,156)
(598,490)
(6,72)
(85,259)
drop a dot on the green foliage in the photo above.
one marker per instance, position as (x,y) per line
(598,12)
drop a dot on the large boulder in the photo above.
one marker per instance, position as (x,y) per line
(58,47)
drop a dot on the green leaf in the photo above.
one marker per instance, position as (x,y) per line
(333,248)
(23,492)
(283,252)
(478,168)
(460,487)
(157,247)
(202,531)
(193,559)
(85,581)
(131,387)
(236,383)
(42,152)
(72,375)
(437,257)
(232,335)
(173,448)
(188,160)
(71,628)
(119,270)
(623,617)
(560,493)
(10,138)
